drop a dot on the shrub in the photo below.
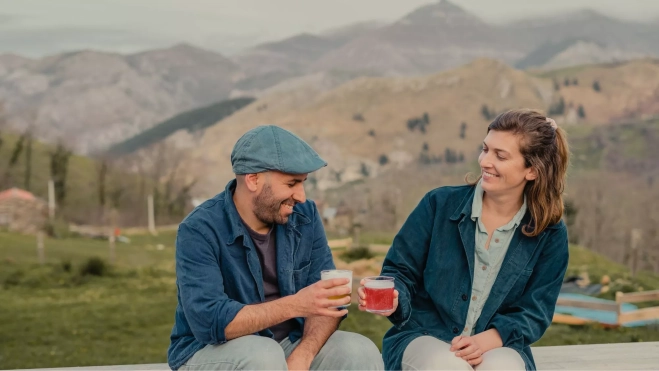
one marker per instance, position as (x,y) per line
(357,253)
(94,266)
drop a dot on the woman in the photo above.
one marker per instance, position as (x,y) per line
(478,268)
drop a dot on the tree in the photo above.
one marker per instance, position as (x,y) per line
(28,161)
(575,82)
(596,86)
(485,111)
(450,156)
(557,85)
(59,164)
(566,82)
(418,123)
(383,160)
(365,170)
(102,181)
(557,108)
(581,112)
(13,160)
(358,117)
(463,130)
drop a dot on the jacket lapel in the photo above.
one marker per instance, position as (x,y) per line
(467,229)
(288,243)
(520,252)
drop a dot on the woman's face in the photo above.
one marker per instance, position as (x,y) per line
(502,164)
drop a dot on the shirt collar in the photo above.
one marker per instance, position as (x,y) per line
(477,209)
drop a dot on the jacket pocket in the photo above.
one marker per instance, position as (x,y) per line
(518,288)
(300,276)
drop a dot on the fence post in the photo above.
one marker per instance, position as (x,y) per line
(41,252)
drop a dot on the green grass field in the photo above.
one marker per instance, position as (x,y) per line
(53,315)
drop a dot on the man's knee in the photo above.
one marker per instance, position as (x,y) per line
(265,354)
(350,351)
(248,352)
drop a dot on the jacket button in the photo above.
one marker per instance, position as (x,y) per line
(464,297)
(455,330)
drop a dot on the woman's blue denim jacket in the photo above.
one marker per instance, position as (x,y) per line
(432,260)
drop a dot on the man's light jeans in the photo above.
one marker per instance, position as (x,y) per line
(342,351)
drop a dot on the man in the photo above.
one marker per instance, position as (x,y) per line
(248,265)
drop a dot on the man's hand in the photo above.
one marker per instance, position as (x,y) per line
(362,300)
(313,300)
(299,361)
(467,348)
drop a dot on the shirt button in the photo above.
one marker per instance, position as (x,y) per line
(484,267)
(466,328)
(455,330)
(473,297)
(464,297)
(496,240)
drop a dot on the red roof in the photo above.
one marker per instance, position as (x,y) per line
(17,193)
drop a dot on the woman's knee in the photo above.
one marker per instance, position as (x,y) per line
(501,359)
(429,353)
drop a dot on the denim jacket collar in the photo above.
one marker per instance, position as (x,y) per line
(235,223)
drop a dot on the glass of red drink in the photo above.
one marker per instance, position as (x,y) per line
(379,292)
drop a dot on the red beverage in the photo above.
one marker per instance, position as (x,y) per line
(379,294)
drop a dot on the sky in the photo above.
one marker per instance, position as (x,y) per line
(35,28)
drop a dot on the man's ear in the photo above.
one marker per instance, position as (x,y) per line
(252,182)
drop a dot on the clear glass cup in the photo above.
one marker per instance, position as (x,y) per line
(338,273)
(379,292)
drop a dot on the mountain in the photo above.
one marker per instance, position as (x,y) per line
(372,125)
(430,39)
(267,64)
(369,125)
(344,34)
(574,52)
(588,25)
(92,99)
(10,62)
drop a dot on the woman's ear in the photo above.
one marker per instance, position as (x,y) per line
(532,174)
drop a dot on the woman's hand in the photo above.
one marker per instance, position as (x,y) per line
(467,348)
(362,300)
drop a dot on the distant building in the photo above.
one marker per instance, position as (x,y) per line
(21,211)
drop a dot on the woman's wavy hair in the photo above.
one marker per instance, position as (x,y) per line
(544,147)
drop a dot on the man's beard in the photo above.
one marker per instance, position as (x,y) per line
(267,209)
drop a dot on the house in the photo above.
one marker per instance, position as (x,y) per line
(21,211)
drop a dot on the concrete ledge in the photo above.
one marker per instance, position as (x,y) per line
(622,356)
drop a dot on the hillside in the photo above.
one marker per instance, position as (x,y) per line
(193,122)
(93,99)
(568,53)
(588,24)
(371,125)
